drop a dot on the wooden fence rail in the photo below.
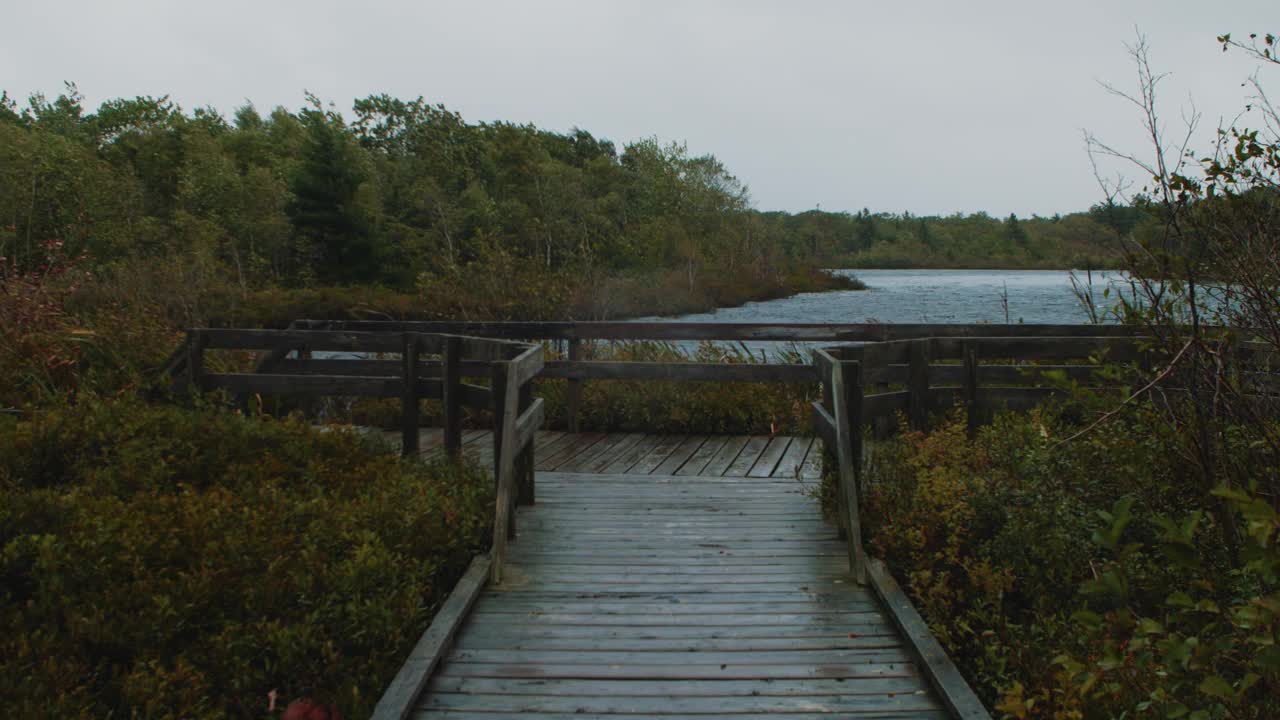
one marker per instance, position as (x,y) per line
(287,368)
(914,369)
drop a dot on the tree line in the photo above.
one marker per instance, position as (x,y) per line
(406,192)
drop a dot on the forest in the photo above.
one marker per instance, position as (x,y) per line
(408,201)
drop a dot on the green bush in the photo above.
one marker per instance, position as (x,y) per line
(1084,579)
(161,562)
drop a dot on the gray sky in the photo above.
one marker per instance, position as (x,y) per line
(933,107)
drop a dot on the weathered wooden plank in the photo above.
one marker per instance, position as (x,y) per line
(313,340)
(698,462)
(528,423)
(682,633)
(527,365)
(690,688)
(311,385)
(818,332)
(680,455)
(769,457)
(685,672)
(682,371)
(667,444)
(623,461)
(600,455)
(942,673)
(545,438)
(824,425)
(789,465)
(410,409)
(885,404)
(1115,349)
(569,450)
(466,715)
(398,699)
(557,444)
(574,390)
(748,456)
(709,586)
(725,456)
(625,704)
(866,607)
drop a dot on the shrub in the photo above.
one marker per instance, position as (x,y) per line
(1085,579)
(161,562)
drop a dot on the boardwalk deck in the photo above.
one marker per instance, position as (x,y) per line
(638,454)
(634,589)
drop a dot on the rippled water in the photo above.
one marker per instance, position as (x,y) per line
(927,296)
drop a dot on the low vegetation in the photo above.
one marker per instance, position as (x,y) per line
(159,561)
(1093,578)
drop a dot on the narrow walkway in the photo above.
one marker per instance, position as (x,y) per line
(677,577)
(756,456)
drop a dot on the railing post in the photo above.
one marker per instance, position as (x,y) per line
(918,385)
(854,392)
(195,361)
(451,395)
(498,398)
(506,410)
(574,395)
(524,462)
(841,395)
(970,387)
(409,409)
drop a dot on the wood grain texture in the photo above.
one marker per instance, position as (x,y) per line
(669,595)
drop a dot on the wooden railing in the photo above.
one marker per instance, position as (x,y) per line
(577,370)
(873,382)
(915,369)
(288,368)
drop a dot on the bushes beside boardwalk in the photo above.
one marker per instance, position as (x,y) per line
(1093,578)
(166,562)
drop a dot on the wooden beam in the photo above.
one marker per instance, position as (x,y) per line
(311,384)
(451,394)
(918,385)
(942,673)
(709,372)
(401,696)
(409,410)
(814,332)
(574,391)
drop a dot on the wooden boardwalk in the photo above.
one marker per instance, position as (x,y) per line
(676,577)
(755,456)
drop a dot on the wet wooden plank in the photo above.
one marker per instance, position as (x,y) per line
(545,437)
(680,455)
(747,457)
(725,456)
(605,456)
(684,672)
(684,633)
(844,705)
(577,444)
(793,459)
(467,715)
(724,586)
(667,444)
(688,688)
(682,659)
(699,460)
(632,455)
(769,457)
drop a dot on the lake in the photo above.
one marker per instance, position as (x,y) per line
(927,296)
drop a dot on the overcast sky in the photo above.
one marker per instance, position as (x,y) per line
(933,107)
